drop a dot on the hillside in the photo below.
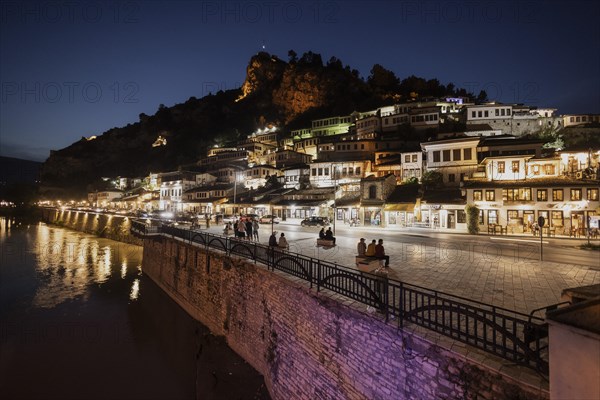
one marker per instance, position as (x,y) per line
(287,94)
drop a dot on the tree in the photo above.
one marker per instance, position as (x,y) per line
(335,63)
(432,178)
(482,97)
(292,57)
(413,180)
(472,219)
(312,59)
(383,80)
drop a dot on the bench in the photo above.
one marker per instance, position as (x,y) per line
(367,264)
(325,243)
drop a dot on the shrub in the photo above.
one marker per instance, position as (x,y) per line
(472,219)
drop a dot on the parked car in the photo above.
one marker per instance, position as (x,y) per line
(269,219)
(228,218)
(315,221)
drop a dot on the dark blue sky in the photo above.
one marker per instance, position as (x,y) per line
(77,69)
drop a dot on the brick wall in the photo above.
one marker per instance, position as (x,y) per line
(308,345)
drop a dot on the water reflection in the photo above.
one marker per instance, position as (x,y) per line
(135,290)
(79,320)
(68,263)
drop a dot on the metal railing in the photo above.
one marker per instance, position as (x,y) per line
(514,336)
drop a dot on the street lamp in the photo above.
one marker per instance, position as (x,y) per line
(334,171)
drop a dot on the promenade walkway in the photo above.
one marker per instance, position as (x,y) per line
(482,274)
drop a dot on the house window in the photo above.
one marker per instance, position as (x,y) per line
(549,169)
(357,171)
(575,194)
(414,158)
(436,156)
(446,155)
(515,166)
(516,194)
(456,155)
(512,215)
(536,169)
(477,195)
(461,217)
(542,195)
(490,195)
(501,167)
(492,217)
(557,195)
(474,114)
(467,154)
(314,172)
(407,158)
(557,218)
(451,178)
(327,171)
(372,192)
(592,194)
(480,217)
(320,171)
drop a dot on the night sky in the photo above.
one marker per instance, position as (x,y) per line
(71,69)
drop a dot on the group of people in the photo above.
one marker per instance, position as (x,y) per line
(374,249)
(326,235)
(244,229)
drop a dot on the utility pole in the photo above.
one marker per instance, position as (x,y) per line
(234,191)
(541,223)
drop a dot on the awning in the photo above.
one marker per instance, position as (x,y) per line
(399,207)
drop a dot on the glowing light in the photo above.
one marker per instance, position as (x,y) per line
(135,290)
(124,269)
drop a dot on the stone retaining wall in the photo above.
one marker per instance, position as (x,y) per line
(113,227)
(308,345)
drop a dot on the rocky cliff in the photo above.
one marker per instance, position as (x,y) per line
(287,94)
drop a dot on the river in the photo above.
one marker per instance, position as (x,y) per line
(79,320)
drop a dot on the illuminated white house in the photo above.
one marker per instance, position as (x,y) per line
(514,191)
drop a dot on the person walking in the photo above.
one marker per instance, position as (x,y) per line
(371,249)
(255,226)
(380,253)
(361,247)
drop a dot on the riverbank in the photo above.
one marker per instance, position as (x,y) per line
(114,227)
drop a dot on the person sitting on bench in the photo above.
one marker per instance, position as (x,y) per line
(380,253)
(361,247)
(329,235)
(322,233)
(283,244)
(371,249)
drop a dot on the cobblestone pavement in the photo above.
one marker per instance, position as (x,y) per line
(476,273)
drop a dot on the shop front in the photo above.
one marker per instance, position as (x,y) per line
(399,215)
